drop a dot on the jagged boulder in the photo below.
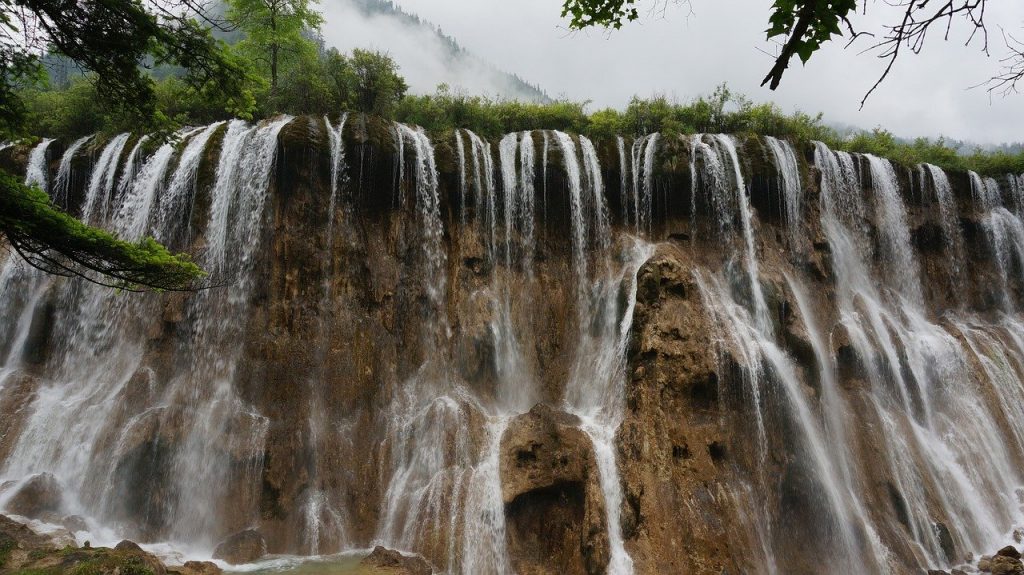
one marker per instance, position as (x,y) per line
(395,563)
(35,497)
(554,506)
(242,547)
(1003,565)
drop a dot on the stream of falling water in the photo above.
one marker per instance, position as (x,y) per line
(943,391)
(100,395)
(63,181)
(323,514)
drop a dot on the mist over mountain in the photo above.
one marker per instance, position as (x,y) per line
(426,55)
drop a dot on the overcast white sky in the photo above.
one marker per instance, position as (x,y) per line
(689,49)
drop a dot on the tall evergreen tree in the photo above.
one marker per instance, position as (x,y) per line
(276,30)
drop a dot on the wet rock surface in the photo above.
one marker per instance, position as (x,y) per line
(196,568)
(393,562)
(24,551)
(242,547)
(554,507)
(335,336)
(34,497)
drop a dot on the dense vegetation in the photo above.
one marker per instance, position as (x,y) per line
(721,112)
(370,82)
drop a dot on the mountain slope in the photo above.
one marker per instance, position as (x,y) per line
(426,55)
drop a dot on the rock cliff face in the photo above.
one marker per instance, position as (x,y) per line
(541,354)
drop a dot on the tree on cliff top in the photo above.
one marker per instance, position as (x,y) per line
(275,30)
(806,25)
(378,86)
(110,38)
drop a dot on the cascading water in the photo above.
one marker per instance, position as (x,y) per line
(98,370)
(63,180)
(325,518)
(174,200)
(101,184)
(132,221)
(637,204)
(38,170)
(951,231)
(851,416)
(789,183)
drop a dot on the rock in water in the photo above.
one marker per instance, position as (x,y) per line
(1003,565)
(36,496)
(74,523)
(1009,551)
(554,506)
(197,568)
(396,562)
(242,547)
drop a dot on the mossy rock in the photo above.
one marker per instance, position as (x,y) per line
(89,561)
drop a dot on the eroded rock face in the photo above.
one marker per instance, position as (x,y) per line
(395,563)
(35,497)
(674,452)
(242,547)
(554,507)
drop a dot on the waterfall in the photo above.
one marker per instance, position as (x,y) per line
(97,364)
(430,411)
(460,148)
(1005,233)
(912,355)
(63,181)
(595,391)
(324,514)
(789,184)
(576,207)
(951,231)
(777,388)
(484,199)
(131,166)
(38,170)
(175,199)
(527,202)
(891,219)
(101,184)
(133,220)
(642,192)
(625,181)
(335,135)
(208,396)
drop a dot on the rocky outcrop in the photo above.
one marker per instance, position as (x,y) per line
(554,507)
(392,562)
(25,551)
(34,497)
(242,547)
(676,455)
